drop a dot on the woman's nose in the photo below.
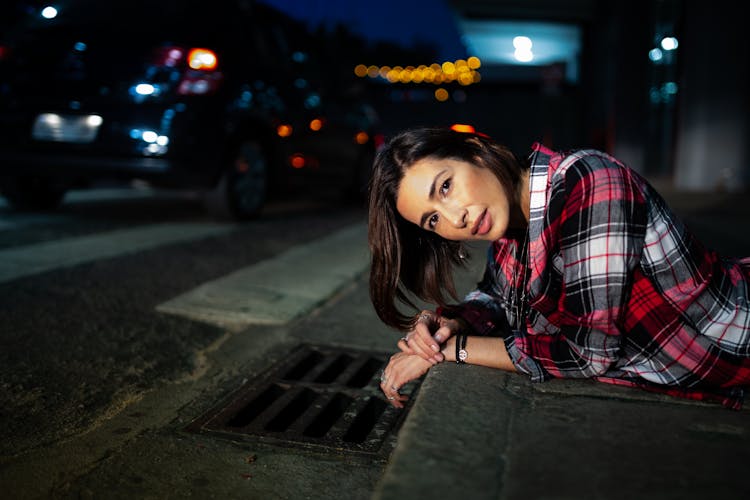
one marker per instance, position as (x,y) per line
(456,216)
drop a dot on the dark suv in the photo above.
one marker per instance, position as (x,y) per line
(226,96)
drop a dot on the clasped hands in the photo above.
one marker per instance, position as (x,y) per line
(420,349)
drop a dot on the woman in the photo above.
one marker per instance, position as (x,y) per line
(589,273)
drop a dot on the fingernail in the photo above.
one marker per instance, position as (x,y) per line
(435,347)
(438,358)
(438,337)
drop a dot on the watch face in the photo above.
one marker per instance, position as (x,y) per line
(462,355)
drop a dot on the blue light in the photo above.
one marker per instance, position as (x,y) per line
(655,54)
(80,47)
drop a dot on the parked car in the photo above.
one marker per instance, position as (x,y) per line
(221,96)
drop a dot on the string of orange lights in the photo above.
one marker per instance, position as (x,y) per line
(463,71)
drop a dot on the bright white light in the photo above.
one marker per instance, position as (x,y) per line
(523,49)
(149,136)
(669,43)
(94,120)
(523,55)
(49,12)
(50,119)
(153,148)
(522,43)
(162,140)
(492,42)
(655,54)
(144,89)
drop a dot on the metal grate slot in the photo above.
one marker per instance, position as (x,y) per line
(291,411)
(249,412)
(316,397)
(365,421)
(304,366)
(334,369)
(366,373)
(329,416)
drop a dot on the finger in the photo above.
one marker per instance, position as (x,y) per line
(405,347)
(398,401)
(392,394)
(422,342)
(443,333)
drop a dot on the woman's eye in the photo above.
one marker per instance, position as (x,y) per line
(432,222)
(445,187)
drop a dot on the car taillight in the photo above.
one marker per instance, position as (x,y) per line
(201,76)
(202,59)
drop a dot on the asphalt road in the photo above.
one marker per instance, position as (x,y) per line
(82,339)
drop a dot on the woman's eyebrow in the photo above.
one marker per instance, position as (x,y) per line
(426,215)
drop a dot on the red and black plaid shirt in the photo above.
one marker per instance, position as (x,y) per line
(620,290)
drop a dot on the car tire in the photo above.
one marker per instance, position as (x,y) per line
(32,194)
(243,186)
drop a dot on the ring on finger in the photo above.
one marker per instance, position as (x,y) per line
(391,398)
(425,317)
(405,338)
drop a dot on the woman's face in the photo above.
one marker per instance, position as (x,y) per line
(454,199)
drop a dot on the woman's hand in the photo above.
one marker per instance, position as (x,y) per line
(401,369)
(429,332)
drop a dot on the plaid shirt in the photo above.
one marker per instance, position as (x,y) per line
(620,291)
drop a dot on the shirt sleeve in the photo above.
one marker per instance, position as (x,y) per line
(481,309)
(596,220)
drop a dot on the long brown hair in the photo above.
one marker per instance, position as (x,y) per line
(406,258)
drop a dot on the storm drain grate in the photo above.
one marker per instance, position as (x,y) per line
(315,397)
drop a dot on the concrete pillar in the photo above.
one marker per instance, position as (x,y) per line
(712,130)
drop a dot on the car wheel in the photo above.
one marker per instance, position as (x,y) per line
(242,189)
(32,194)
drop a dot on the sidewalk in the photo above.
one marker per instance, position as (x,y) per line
(478,433)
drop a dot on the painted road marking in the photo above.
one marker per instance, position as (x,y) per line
(17,262)
(280,289)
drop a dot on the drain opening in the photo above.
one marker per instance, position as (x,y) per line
(315,397)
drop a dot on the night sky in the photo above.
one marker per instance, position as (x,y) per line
(399,21)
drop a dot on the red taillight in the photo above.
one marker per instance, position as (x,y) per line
(197,67)
(196,58)
(202,59)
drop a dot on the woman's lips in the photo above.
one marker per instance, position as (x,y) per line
(483,224)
